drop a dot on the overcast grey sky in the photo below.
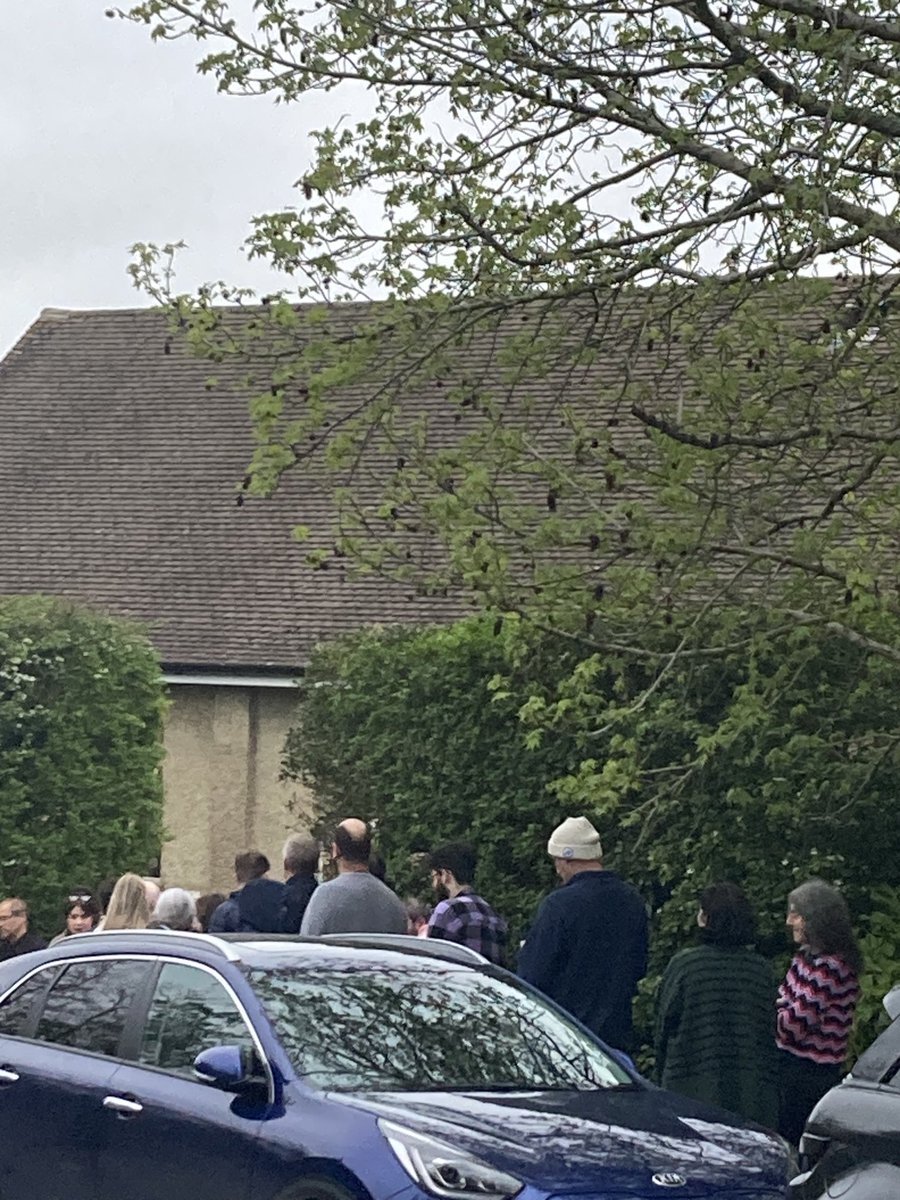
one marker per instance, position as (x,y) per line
(107,139)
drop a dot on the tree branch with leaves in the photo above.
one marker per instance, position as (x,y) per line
(592,318)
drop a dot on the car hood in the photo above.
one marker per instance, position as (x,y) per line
(611,1141)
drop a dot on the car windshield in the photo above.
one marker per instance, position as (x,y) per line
(371,1027)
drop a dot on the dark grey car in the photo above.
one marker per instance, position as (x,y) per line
(851,1146)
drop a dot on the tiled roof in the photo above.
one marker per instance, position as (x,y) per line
(119,467)
(118,470)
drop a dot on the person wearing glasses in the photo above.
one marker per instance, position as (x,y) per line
(15,936)
(82,912)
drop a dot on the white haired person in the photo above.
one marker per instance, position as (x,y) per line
(816,1002)
(176,909)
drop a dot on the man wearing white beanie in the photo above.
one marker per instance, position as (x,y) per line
(587,948)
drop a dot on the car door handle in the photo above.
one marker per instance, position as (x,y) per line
(8,1076)
(125,1108)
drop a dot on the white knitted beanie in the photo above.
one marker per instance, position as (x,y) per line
(577,839)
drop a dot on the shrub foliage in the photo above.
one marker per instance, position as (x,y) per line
(81,705)
(401,728)
(771,761)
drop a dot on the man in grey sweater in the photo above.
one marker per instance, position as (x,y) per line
(354,902)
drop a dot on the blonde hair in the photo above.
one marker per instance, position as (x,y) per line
(128,907)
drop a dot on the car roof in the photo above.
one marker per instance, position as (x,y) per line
(879,1059)
(267,950)
(406,943)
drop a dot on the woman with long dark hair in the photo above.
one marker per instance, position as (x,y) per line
(816,1002)
(715,1032)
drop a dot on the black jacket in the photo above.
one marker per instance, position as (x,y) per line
(28,942)
(297,892)
(587,950)
(257,907)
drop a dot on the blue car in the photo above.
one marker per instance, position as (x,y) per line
(169,1066)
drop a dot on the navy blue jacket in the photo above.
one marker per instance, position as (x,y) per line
(587,949)
(257,907)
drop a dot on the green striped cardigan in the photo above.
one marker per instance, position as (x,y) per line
(715,1030)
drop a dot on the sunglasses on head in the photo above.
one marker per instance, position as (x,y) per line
(79,898)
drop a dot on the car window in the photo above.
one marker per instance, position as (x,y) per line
(191,1011)
(89,1003)
(364,1026)
(18,1008)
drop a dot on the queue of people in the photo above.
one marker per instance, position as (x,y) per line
(724,1034)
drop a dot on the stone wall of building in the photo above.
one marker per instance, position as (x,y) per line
(223,794)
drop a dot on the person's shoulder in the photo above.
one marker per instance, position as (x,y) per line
(488,913)
(328,887)
(301,884)
(558,901)
(706,955)
(272,886)
(487,907)
(835,966)
(754,969)
(631,903)
(323,901)
(688,960)
(612,879)
(365,881)
(391,896)
(314,898)
(224,915)
(691,954)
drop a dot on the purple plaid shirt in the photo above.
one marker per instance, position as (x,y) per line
(472,922)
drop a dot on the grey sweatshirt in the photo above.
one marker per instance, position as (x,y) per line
(355,902)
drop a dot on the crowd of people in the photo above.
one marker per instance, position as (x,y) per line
(724,1033)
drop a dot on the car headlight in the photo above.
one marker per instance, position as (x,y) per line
(445,1171)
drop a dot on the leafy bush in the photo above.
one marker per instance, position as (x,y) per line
(400,728)
(768,764)
(81,705)
(767,760)
(881,949)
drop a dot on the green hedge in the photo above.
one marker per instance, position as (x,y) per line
(81,706)
(769,761)
(400,728)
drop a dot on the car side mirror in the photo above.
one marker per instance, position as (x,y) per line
(227,1068)
(892,1003)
